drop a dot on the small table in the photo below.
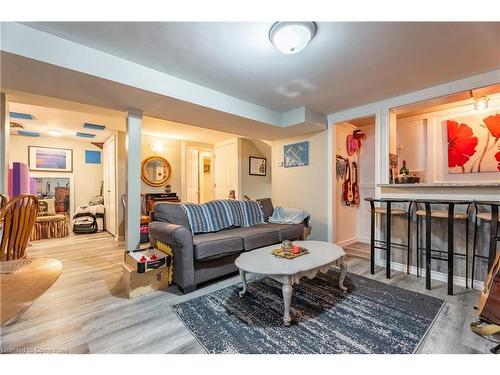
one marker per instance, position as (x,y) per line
(322,255)
(52,226)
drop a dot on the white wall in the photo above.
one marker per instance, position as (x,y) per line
(304,187)
(254,186)
(85,179)
(412,144)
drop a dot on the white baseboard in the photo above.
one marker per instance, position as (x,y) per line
(435,275)
(347,242)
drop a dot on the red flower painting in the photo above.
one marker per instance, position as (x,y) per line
(497,156)
(493,124)
(461,144)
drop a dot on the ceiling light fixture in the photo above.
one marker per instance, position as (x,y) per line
(54,133)
(480,102)
(292,37)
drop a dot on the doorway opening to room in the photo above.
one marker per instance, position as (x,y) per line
(62,154)
(354,158)
(199,175)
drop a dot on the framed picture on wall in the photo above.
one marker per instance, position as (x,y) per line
(257,166)
(48,159)
(296,154)
(472,142)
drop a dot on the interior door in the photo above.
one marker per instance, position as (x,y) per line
(226,168)
(192,176)
(109,178)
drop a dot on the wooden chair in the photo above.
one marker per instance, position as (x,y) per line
(18,218)
(3,200)
(144,216)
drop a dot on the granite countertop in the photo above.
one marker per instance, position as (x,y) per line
(442,184)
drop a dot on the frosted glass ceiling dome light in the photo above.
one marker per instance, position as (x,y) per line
(292,37)
(54,133)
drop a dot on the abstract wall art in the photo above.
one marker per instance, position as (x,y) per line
(296,154)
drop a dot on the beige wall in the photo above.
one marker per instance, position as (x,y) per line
(304,187)
(253,186)
(86,178)
(171,152)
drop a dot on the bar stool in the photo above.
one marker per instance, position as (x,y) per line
(387,244)
(491,217)
(451,216)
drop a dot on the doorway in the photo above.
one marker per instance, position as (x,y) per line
(354,161)
(199,175)
(109,185)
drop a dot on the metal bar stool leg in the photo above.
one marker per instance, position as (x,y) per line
(388,241)
(451,209)
(474,250)
(428,246)
(467,250)
(408,256)
(372,239)
(417,252)
(493,235)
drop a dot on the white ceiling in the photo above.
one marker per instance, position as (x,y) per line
(346,64)
(69,118)
(66,122)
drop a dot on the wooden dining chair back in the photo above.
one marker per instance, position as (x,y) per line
(3,200)
(17,218)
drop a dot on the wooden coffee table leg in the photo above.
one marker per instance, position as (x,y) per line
(243,276)
(343,270)
(287,299)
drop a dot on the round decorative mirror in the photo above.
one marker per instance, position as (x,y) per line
(155,171)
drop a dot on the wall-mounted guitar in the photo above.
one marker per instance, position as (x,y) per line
(355,186)
(347,193)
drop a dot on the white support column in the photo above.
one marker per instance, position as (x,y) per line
(133,176)
(4,143)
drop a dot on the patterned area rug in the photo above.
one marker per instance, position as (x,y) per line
(372,317)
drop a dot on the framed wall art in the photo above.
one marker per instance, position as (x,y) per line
(473,143)
(296,154)
(48,159)
(257,166)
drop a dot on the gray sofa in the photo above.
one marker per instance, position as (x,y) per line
(205,256)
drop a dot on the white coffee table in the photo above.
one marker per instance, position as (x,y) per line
(322,255)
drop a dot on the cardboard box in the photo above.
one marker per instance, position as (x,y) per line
(146,260)
(138,284)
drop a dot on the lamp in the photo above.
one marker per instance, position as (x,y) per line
(292,37)
(481,102)
(157,147)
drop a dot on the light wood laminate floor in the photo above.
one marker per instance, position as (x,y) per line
(86,311)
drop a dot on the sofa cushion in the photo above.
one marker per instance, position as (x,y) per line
(258,235)
(213,245)
(267,207)
(290,231)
